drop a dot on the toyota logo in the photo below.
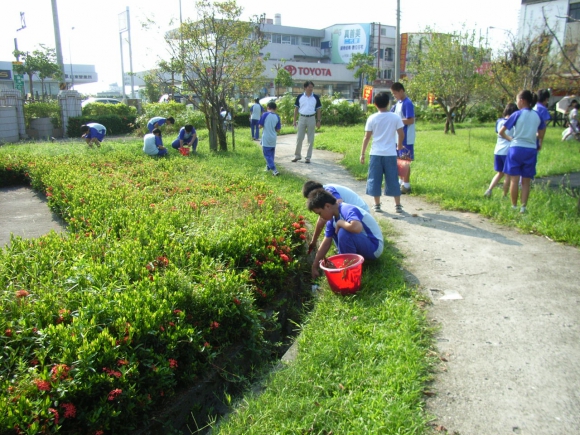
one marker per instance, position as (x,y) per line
(291,69)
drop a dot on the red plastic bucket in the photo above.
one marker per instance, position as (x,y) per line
(344,279)
(184,151)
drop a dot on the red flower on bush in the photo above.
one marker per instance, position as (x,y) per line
(237,301)
(302,236)
(206,344)
(113,394)
(172,363)
(214,325)
(42,385)
(122,362)
(70,411)
(21,294)
(55,412)
(296,225)
(284,258)
(162,261)
(112,372)
(8,332)
(59,372)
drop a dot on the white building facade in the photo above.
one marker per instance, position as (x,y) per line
(322,56)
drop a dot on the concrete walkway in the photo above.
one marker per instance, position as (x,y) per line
(507,306)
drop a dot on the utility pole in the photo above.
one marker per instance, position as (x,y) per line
(57,38)
(398,44)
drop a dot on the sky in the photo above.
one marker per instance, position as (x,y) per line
(95,37)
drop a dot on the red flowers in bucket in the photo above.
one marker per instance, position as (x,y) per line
(184,151)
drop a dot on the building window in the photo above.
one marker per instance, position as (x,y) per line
(383,31)
(286,39)
(294,40)
(276,38)
(389,54)
(574,13)
(386,74)
(306,40)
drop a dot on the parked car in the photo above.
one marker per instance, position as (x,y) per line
(100,100)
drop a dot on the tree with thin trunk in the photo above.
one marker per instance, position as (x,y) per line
(362,63)
(219,56)
(451,67)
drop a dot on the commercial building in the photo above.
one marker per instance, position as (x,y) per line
(75,75)
(322,55)
(319,55)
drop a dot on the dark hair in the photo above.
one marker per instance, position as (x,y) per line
(85,128)
(509,109)
(529,97)
(381,100)
(309,186)
(170,120)
(271,105)
(188,128)
(318,198)
(397,86)
(156,130)
(257,100)
(543,95)
(308,83)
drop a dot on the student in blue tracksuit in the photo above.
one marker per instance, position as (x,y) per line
(93,133)
(270,123)
(353,230)
(529,130)
(187,137)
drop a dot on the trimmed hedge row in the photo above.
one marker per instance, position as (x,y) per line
(115,124)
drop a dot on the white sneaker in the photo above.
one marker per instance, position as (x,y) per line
(275,173)
(523,209)
(487,193)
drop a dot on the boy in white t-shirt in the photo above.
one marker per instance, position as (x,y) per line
(386,129)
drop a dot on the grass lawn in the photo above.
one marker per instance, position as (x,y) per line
(455,170)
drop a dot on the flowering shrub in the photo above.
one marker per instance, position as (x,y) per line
(160,272)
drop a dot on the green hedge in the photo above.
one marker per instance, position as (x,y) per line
(104,322)
(42,109)
(114,124)
(101,109)
(180,112)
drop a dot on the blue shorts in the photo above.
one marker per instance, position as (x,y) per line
(380,166)
(407,151)
(499,162)
(521,161)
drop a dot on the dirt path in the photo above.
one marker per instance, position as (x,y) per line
(507,304)
(508,308)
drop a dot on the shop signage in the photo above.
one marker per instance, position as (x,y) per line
(308,71)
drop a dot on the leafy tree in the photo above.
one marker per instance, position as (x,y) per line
(283,79)
(363,63)
(40,62)
(449,66)
(219,55)
(524,64)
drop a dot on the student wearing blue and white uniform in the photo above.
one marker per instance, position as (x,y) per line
(187,137)
(542,109)
(406,111)
(341,193)
(270,123)
(353,230)
(93,133)
(500,152)
(309,107)
(529,130)
(256,112)
(158,121)
(153,144)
